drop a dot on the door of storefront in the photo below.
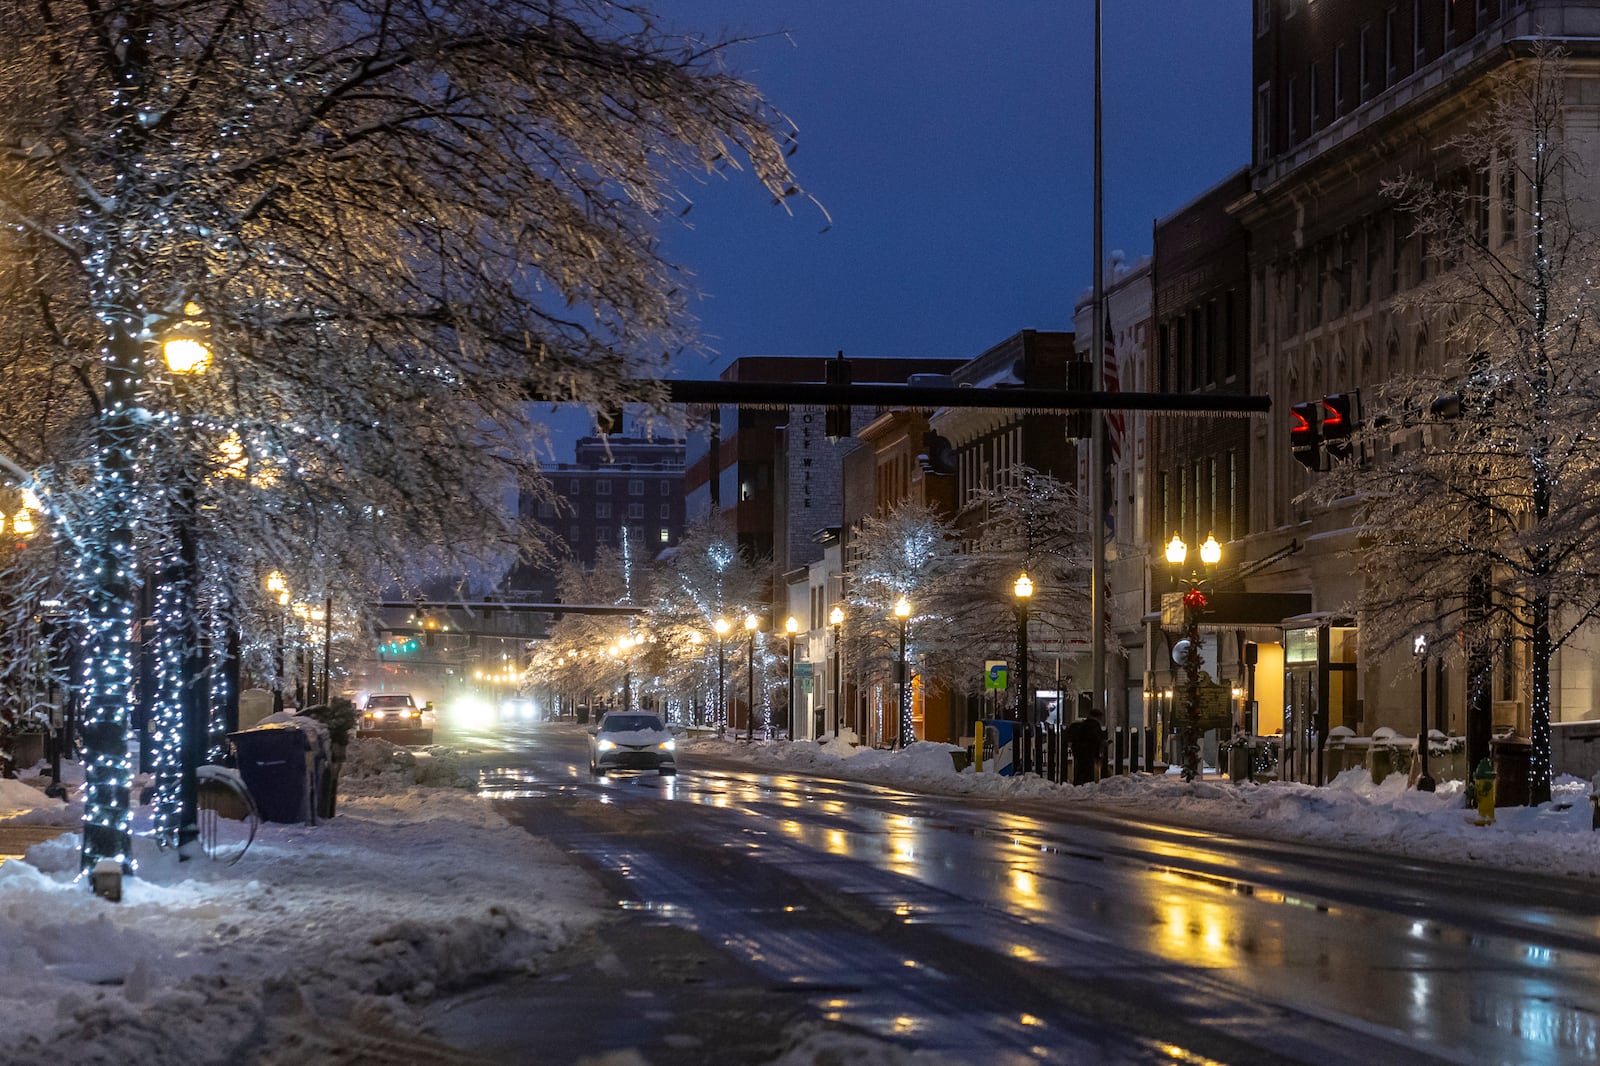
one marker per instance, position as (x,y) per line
(1319,692)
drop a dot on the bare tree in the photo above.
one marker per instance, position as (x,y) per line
(910,552)
(392,223)
(1476,506)
(707,579)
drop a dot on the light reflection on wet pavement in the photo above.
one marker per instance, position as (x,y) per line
(1294,953)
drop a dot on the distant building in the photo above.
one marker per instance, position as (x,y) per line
(617,488)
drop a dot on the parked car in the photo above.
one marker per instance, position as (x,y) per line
(395,717)
(632,740)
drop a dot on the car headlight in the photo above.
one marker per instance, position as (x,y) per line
(667,745)
(606,745)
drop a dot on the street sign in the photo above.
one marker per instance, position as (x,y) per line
(995,674)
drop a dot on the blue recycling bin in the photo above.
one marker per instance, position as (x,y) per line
(279,768)
(1000,750)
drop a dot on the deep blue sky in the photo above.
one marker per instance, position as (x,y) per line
(951,141)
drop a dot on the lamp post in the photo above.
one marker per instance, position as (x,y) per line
(1023,590)
(791,626)
(1194,604)
(836,620)
(722,625)
(186,356)
(1420,650)
(276,584)
(902,614)
(751,624)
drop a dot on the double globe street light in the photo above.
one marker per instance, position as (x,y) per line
(1187,653)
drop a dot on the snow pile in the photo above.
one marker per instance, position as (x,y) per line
(1350,811)
(319,936)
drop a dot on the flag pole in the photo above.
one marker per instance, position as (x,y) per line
(1097,431)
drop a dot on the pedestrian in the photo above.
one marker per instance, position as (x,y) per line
(1087,739)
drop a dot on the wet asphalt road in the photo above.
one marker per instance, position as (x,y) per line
(748,902)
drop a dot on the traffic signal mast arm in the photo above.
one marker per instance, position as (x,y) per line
(783,395)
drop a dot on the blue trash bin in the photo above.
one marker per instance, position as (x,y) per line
(277,767)
(1005,735)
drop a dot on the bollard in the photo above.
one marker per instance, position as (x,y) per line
(1483,783)
(1594,802)
(106,880)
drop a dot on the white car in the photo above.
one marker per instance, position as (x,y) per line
(632,740)
(395,717)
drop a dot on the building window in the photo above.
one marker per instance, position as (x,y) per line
(1449,23)
(1288,111)
(666,510)
(1264,16)
(1338,80)
(666,488)
(1364,63)
(574,534)
(575,487)
(1507,196)
(1230,336)
(635,487)
(602,510)
(602,535)
(546,509)
(1389,56)
(602,488)
(1315,81)
(1418,52)
(635,510)
(665,536)
(1264,121)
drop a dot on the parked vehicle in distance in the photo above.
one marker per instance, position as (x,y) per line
(395,717)
(632,740)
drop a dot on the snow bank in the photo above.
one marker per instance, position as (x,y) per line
(316,935)
(1348,812)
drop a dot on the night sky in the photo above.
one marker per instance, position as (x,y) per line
(951,142)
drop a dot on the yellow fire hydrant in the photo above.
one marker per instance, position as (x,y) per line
(1483,790)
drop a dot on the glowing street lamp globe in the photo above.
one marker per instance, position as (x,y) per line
(1177,550)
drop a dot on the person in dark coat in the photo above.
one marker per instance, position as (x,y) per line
(1087,740)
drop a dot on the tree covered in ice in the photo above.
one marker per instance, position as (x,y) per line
(1474,495)
(390,223)
(703,590)
(1032,522)
(909,553)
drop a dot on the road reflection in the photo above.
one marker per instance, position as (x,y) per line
(1509,982)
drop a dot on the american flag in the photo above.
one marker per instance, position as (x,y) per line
(1115,423)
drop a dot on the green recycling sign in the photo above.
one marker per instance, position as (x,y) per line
(995,674)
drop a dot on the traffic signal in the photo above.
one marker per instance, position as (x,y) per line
(836,423)
(1341,417)
(1305,434)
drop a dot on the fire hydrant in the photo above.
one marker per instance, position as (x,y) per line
(1483,789)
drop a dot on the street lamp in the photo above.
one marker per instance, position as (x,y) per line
(836,620)
(902,613)
(791,626)
(1420,649)
(276,584)
(1023,589)
(722,625)
(186,356)
(1194,604)
(751,624)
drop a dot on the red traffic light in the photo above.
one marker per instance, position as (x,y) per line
(1340,419)
(1305,438)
